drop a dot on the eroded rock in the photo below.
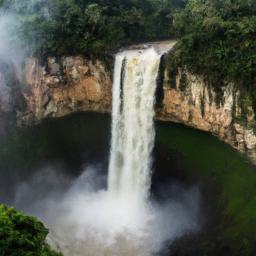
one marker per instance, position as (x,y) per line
(196,106)
(74,84)
(59,88)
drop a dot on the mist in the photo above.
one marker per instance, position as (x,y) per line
(12,56)
(84,219)
(13,48)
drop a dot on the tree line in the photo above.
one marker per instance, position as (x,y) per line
(217,40)
(91,27)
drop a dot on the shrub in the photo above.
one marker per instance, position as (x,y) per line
(21,235)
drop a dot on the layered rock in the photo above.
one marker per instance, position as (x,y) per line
(197,105)
(75,84)
(62,87)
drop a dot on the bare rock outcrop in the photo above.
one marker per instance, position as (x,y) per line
(62,87)
(197,105)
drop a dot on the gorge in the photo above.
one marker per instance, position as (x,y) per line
(76,84)
(122,219)
(127,128)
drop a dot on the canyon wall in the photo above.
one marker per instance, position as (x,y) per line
(74,84)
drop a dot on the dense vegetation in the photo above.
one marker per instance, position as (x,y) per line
(217,40)
(22,235)
(91,27)
(216,37)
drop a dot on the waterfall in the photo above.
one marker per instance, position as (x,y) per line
(87,219)
(135,80)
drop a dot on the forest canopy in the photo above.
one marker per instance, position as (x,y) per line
(22,235)
(91,27)
(218,40)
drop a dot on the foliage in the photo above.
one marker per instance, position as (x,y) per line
(22,235)
(217,40)
(91,27)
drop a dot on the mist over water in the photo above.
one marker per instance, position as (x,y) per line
(13,49)
(12,55)
(84,219)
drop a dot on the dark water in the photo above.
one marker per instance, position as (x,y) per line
(68,144)
(227,184)
(183,158)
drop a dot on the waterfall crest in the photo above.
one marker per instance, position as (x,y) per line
(135,81)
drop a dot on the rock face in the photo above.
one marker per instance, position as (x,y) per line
(5,104)
(69,85)
(196,105)
(75,84)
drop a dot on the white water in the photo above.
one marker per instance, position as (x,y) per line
(87,220)
(135,79)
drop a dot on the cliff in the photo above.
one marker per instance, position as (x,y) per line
(75,84)
(190,101)
(59,88)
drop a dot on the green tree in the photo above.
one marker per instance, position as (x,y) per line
(21,235)
(217,40)
(90,27)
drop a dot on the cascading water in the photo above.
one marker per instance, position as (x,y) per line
(120,221)
(133,133)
